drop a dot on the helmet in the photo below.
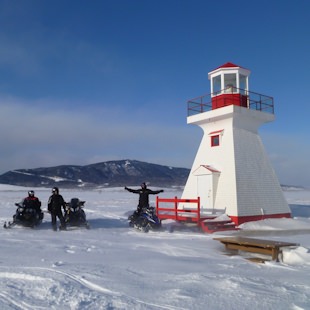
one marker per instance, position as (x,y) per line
(55,190)
(31,193)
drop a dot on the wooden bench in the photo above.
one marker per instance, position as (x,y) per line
(266,247)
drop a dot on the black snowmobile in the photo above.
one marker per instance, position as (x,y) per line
(145,220)
(26,216)
(74,213)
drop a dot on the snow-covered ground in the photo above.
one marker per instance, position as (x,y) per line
(112,266)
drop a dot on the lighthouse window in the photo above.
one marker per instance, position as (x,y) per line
(215,140)
(242,81)
(216,85)
(230,82)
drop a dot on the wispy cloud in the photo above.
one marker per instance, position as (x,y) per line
(43,134)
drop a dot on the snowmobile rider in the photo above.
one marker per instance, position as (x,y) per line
(33,202)
(54,205)
(144,193)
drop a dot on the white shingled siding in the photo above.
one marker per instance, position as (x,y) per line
(247,184)
(258,189)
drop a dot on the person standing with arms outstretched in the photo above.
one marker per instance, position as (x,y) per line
(144,193)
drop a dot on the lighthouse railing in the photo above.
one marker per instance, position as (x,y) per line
(255,101)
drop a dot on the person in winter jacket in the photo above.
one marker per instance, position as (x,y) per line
(33,202)
(144,193)
(54,205)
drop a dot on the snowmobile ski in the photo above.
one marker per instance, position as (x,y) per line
(141,228)
(8,225)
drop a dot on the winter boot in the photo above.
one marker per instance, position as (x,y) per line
(62,227)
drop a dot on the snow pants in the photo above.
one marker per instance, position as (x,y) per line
(54,216)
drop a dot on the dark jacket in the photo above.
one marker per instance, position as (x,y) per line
(143,195)
(55,203)
(33,203)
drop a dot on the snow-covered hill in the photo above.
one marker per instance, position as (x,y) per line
(107,174)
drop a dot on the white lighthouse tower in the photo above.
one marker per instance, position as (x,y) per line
(231,171)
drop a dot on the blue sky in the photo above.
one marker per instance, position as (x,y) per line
(89,81)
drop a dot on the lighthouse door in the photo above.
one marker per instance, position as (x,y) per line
(204,191)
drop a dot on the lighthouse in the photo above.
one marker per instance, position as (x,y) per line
(231,173)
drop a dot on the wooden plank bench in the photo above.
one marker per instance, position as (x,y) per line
(266,247)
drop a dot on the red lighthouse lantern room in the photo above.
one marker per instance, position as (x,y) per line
(229,86)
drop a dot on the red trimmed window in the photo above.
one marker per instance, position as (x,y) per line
(215,140)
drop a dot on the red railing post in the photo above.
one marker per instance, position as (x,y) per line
(198,208)
(176,207)
(157,206)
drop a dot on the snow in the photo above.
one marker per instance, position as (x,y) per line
(112,266)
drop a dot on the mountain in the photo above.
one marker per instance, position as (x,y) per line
(108,174)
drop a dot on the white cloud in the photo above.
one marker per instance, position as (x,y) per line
(43,134)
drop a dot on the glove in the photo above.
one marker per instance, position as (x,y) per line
(161,191)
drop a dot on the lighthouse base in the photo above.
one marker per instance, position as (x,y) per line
(238,220)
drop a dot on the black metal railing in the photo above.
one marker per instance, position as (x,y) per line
(254,101)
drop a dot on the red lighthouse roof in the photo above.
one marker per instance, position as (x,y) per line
(228,65)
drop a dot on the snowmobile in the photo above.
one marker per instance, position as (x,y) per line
(145,220)
(25,216)
(74,213)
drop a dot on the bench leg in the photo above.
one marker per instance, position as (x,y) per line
(275,254)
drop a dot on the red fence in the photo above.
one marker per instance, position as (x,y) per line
(172,212)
